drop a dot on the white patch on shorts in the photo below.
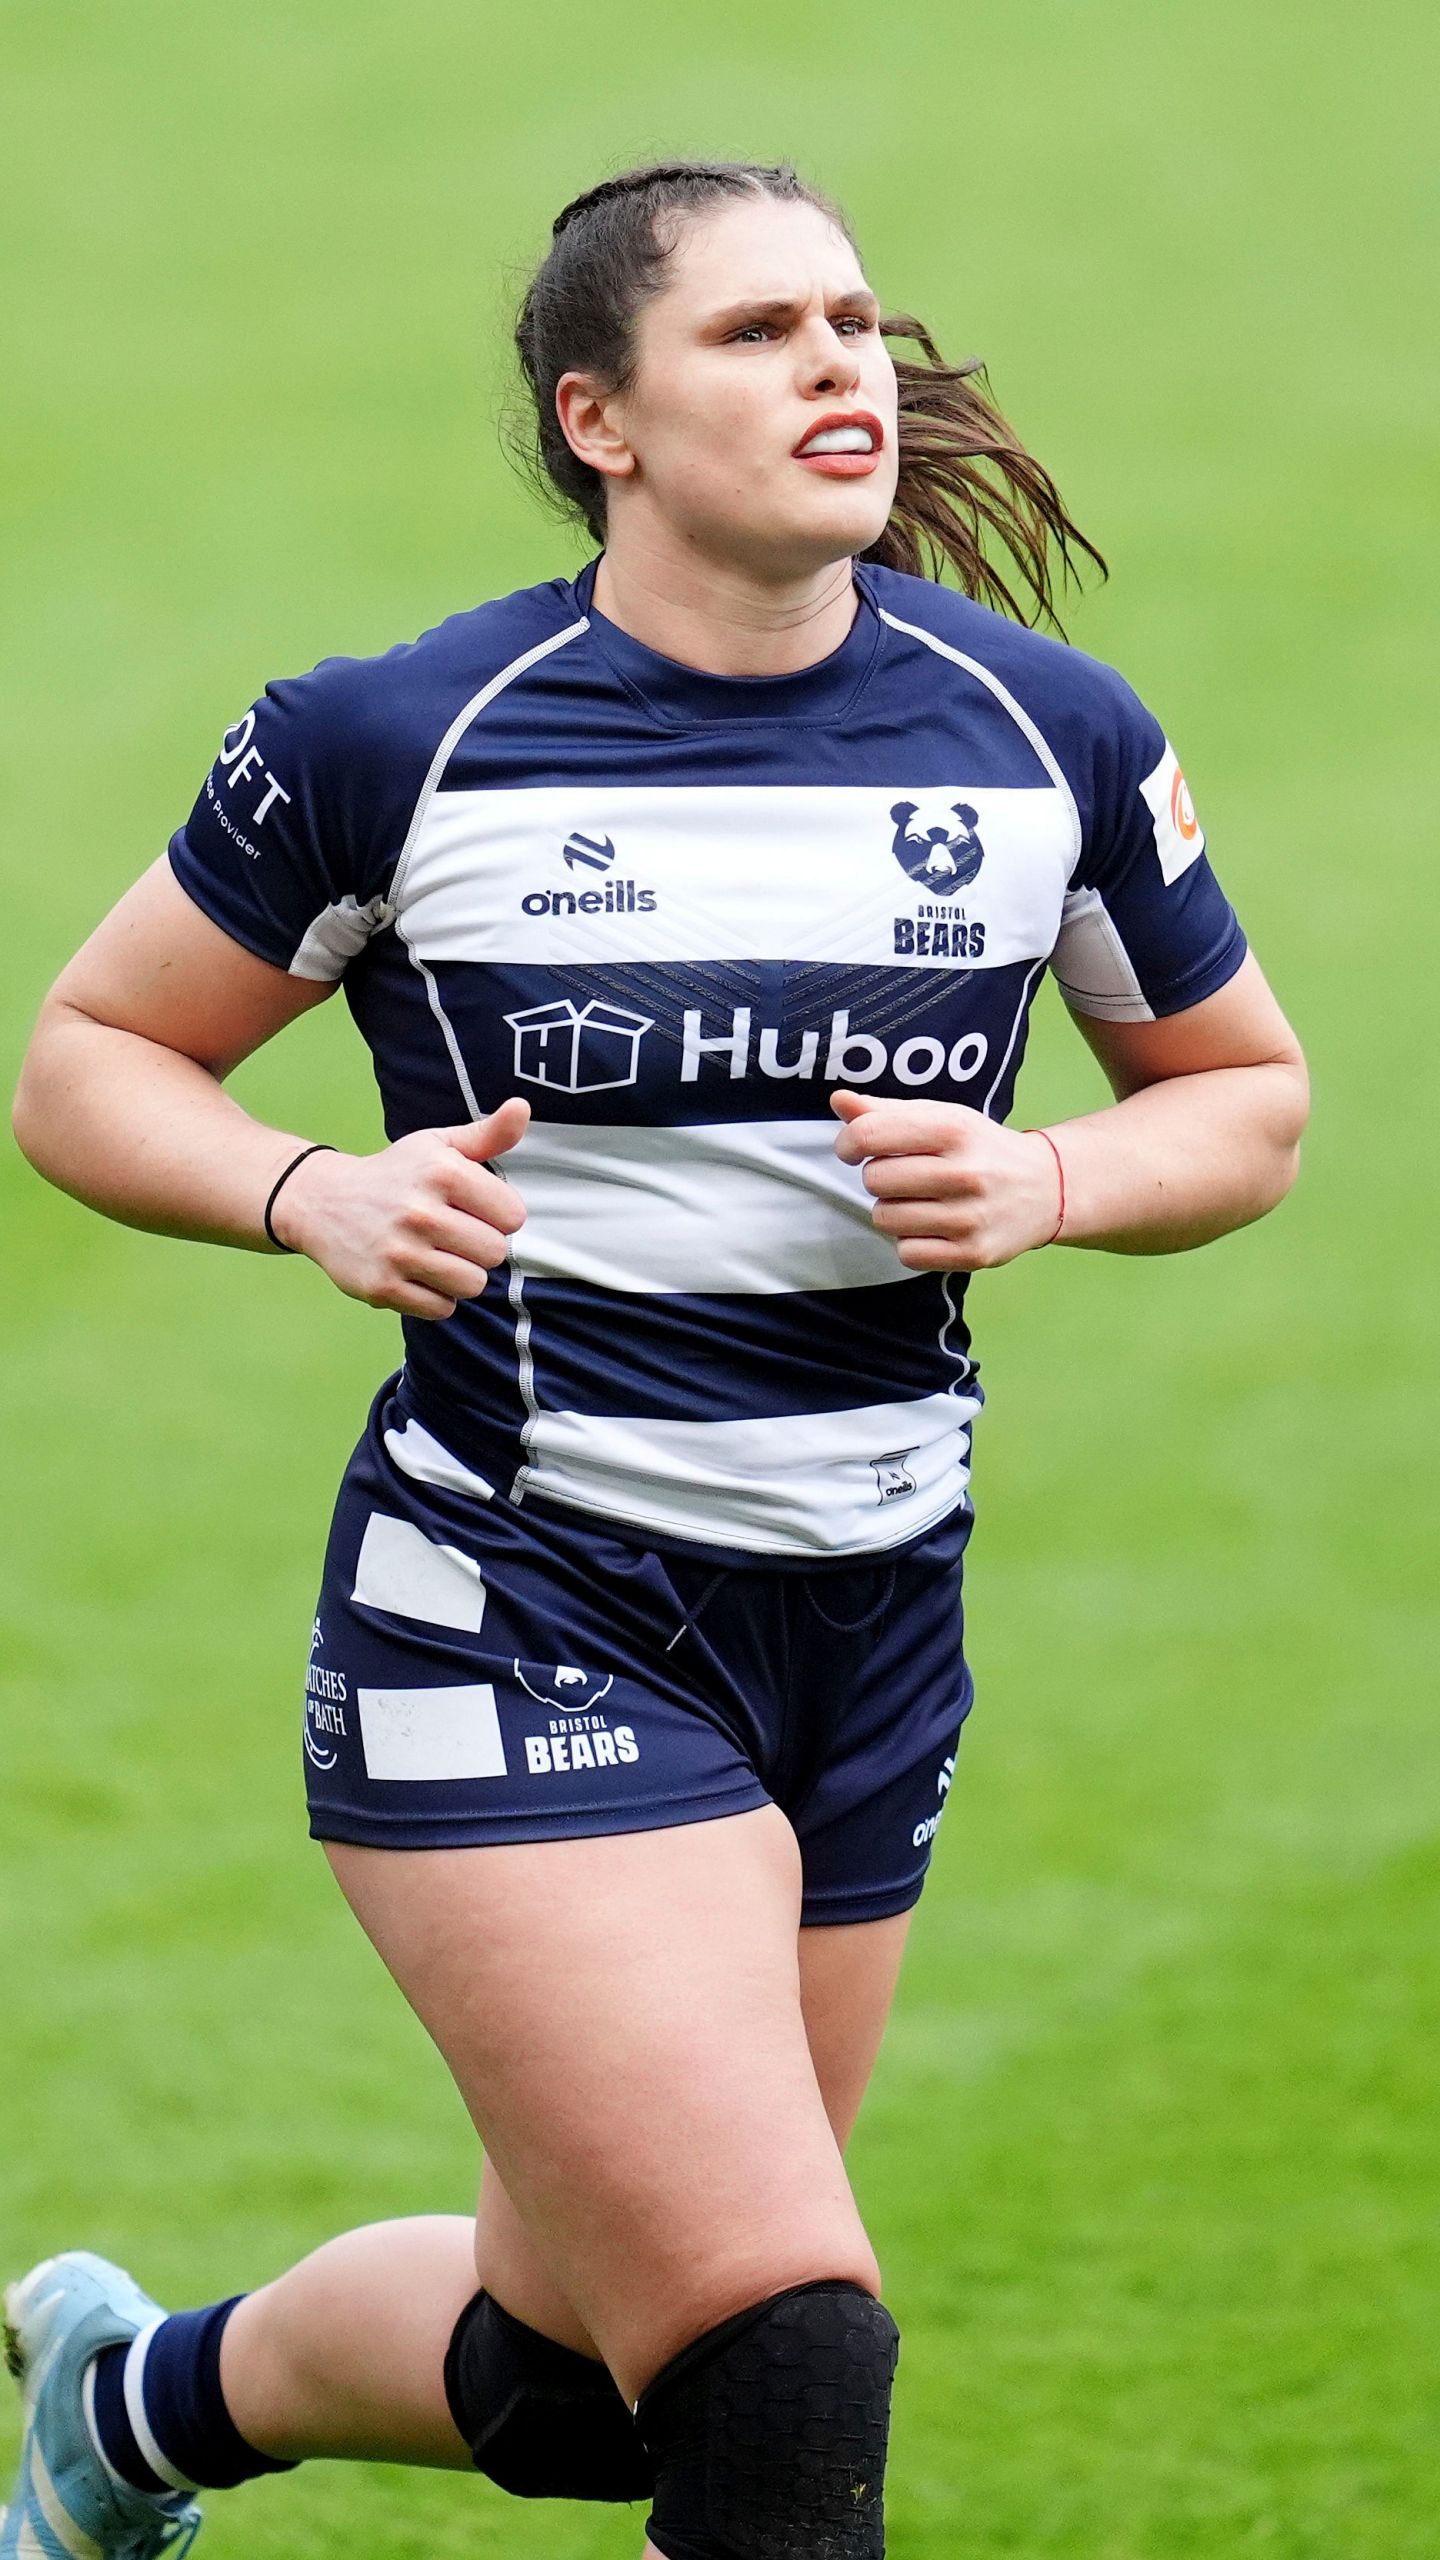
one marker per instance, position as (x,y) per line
(402,1570)
(431,1735)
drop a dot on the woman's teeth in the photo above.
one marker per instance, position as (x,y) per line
(840,440)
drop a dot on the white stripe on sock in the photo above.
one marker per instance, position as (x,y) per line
(138,2416)
(87,2401)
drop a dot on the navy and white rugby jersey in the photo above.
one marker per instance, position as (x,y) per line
(674,910)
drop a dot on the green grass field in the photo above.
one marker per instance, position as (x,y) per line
(1151,2157)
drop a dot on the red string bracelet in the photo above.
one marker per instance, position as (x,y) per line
(1060,1169)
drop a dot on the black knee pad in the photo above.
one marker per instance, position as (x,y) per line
(540,2420)
(769,2433)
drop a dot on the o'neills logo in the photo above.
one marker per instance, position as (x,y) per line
(617,898)
(845,1057)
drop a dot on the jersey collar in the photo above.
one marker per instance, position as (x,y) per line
(689,697)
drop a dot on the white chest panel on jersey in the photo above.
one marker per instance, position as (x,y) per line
(717,873)
(757,1207)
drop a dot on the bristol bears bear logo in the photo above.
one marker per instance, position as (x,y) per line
(564,1685)
(942,856)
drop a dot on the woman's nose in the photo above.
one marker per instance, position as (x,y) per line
(833,364)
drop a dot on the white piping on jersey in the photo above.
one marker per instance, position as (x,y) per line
(958,1385)
(1030,977)
(524,1359)
(1007,702)
(462,1075)
(479,702)
(525,1368)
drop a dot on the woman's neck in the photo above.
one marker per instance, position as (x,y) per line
(720,620)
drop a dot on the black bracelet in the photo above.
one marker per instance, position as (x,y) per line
(321,1148)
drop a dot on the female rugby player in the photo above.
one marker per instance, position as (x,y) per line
(691,910)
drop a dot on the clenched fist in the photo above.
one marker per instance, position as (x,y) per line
(417,1227)
(956,1191)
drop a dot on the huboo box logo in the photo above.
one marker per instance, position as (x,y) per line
(589,1048)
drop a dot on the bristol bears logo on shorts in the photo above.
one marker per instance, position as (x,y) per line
(940,852)
(564,1686)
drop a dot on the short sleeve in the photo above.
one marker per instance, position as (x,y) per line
(1146,928)
(286,848)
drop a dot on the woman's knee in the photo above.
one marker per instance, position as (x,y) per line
(769,2433)
(728,2283)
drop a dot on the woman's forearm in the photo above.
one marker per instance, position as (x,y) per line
(1182,1161)
(148,1135)
(145,1134)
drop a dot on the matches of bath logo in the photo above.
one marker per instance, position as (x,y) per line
(589,1048)
(940,849)
(564,1686)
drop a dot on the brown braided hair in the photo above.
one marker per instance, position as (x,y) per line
(968,489)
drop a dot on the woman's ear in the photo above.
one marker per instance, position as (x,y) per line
(591,423)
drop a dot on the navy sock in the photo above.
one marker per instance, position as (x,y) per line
(159,2403)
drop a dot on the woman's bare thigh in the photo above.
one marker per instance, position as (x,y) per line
(623,2018)
(847,1983)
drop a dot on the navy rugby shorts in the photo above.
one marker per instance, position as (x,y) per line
(481,1673)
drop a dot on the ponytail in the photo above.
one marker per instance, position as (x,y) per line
(968,487)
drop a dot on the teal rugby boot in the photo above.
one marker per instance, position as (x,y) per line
(67,2504)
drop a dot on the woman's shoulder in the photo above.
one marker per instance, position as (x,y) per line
(1052,680)
(396,696)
